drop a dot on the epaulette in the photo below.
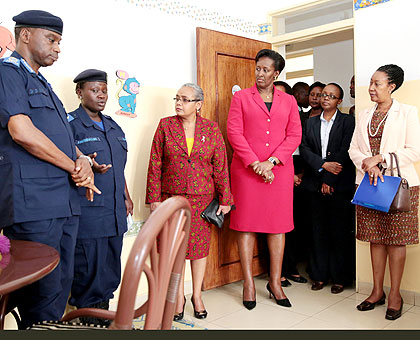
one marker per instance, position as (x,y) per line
(12,61)
(106,116)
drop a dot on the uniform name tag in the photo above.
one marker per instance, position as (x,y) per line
(89,139)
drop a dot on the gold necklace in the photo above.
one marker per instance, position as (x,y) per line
(267,96)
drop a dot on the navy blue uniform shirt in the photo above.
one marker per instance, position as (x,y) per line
(106,215)
(32,189)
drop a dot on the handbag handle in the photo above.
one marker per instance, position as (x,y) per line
(396,162)
(392,166)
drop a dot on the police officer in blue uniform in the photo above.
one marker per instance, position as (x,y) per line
(97,267)
(40,166)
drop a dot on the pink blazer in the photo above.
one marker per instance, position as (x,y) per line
(401,135)
(256,134)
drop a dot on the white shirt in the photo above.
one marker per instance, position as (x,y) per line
(325,132)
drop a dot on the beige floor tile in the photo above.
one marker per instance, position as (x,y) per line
(261,317)
(345,314)
(217,305)
(406,321)
(313,323)
(414,309)
(308,302)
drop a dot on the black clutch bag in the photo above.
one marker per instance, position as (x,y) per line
(209,214)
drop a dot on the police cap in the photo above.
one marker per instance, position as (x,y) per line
(91,75)
(39,19)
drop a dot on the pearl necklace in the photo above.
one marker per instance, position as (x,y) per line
(380,123)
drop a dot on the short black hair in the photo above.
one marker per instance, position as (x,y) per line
(316,84)
(299,86)
(279,61)
(394,73)
(285,85)
(339,88)
(17,33)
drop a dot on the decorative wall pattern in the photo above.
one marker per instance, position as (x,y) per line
(178,8)
(264,29)
(358,4)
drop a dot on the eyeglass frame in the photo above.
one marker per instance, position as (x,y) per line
(185,100)
(330,96)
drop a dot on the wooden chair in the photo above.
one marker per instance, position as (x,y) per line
(171,222)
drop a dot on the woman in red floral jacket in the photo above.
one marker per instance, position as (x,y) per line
(188,158)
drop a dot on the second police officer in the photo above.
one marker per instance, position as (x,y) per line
(97,269)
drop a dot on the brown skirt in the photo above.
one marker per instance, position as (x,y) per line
(392,229)
(199,240)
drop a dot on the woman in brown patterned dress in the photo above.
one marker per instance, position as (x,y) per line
(188,158)
(388,127)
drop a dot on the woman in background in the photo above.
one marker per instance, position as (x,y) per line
(315,98)
(188,158)
(389,126)
(103,222)
(264,129)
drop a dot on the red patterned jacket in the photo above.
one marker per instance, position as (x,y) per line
(172,171)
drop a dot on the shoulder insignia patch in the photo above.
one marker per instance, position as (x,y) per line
(12,60)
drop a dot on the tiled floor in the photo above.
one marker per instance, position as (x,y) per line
(310,310)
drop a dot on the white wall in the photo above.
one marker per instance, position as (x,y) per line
(334,63)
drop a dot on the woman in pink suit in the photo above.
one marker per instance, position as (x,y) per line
(264,130)
(188,158)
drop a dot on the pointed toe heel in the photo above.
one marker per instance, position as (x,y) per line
(249,304)
(281,302)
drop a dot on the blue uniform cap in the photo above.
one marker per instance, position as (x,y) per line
(91,75)
(39,19)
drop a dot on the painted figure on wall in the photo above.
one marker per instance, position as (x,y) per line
(132,87)
(7,41)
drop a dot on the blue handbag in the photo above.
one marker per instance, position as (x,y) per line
(381,197)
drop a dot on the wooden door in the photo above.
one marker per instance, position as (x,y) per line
(223,61)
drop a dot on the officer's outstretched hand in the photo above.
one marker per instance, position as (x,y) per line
(99,168)
(83,177)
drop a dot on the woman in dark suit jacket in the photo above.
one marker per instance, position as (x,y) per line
(188,158)
(330,178)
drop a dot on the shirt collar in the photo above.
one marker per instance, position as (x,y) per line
(28,67)
(332,118)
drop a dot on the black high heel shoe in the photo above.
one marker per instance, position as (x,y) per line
(180,316)
(282,302)
(198,314)
(249,304)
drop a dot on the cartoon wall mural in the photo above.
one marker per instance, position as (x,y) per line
(127,102)
(7,41)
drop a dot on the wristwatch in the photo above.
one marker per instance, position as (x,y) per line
(272,160)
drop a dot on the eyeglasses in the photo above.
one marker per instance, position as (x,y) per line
(185,100)
(331,96)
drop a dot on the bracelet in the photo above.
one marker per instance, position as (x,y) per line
(88,158)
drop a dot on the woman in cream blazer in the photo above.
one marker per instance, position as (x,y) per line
(388,127)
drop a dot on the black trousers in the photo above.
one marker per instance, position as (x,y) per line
(333,238)
(298,240)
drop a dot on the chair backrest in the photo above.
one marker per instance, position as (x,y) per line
(171,222)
